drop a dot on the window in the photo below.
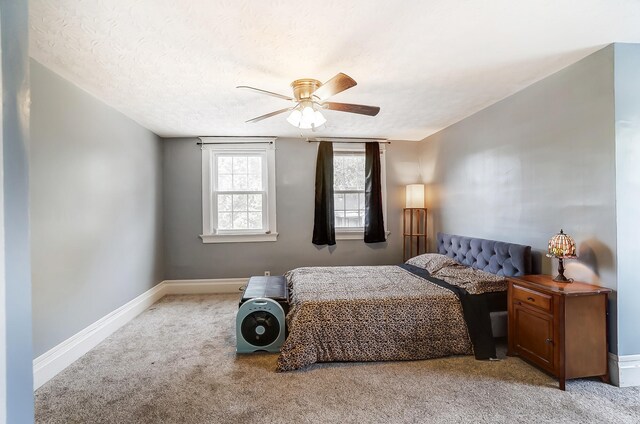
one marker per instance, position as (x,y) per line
(238,191)
(348,189)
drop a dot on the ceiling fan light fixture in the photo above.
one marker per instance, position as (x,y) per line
(306,123)
(306,117)
(319,119)
(307,114)
(294,118)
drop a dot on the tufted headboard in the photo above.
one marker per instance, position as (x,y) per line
(496,257)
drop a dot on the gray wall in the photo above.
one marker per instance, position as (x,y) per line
(15,133)
(535,162)
(627,105)
(96,202)
(187,257)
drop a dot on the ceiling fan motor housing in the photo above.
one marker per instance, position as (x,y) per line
(304,88)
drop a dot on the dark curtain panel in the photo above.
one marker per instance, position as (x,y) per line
(373,219)
(324,231)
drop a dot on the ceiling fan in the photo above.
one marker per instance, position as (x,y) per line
(310,96)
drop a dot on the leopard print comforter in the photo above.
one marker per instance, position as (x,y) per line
(369,313)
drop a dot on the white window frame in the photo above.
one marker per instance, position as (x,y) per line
(358,233)
(263,146)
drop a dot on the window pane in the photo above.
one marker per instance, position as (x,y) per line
(348,172)
(254,182)
(255,220)
(338,201)
(351,201)
(342,175)
(224,203)
(239,182)
(225,164)
(240,220)
(355,172)
(224,221)
(338,173)
(239,164)
(352,219)
(254,202)
(239,202)
(349,210)
(254,164)
(224,182)
(340,221)
(240,173)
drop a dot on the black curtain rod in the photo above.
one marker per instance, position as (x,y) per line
(349,141)
(312,140)
(200,143)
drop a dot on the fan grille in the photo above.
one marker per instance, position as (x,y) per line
(260,328)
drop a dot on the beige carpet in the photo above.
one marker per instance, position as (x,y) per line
(176,363)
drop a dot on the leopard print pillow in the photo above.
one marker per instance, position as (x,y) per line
(474,281)
(432,262)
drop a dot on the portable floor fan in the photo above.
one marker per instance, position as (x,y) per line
(260,325)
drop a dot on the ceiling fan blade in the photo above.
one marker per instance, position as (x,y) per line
(268,93)
(351,108)
(269,115)
(335,85)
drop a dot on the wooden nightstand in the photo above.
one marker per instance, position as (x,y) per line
(560,327)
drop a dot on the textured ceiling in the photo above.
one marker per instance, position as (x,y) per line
(172,65)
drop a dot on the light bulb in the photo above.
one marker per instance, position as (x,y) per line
(307,114)
(319,119)
(307,117)
(294,118)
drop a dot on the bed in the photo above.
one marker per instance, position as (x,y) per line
(432,306)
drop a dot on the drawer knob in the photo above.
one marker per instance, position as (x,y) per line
(548,341)
(531,299)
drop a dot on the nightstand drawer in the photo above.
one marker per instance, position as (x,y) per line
(533,298)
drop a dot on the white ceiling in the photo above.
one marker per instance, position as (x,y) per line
(172,65)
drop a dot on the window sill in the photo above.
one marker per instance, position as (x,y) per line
(238,238)
(354,235)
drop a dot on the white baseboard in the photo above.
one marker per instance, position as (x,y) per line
(624,370)
(50,363)
(47,365)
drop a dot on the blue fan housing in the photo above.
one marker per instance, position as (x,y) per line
(260,326)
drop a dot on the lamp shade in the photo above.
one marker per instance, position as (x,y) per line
(415,196)
(562,246)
